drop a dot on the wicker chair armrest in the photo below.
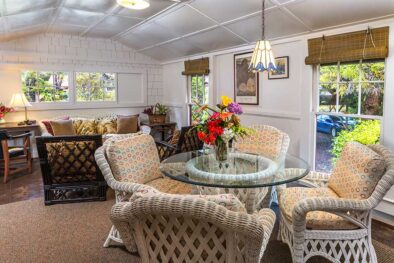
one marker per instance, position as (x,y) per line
(327,204)
(116,185)
(267,219)
(315,179)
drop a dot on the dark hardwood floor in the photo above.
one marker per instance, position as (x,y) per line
(28,186)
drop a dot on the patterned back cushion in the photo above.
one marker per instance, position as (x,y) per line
(264,140)
(85,126)
(228,201)
(356,172)
(134,159)
(106,126)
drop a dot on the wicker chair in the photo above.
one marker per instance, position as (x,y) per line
(319,221)
(188,229)
(142,149)
(267,141)
(185,140)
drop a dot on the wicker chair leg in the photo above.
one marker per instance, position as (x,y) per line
(113,236)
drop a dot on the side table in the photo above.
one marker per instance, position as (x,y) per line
(164,129)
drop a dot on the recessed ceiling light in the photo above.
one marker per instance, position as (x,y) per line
(134,4)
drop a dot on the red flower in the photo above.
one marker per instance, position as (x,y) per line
(201,136)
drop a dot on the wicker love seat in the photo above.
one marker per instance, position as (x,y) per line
(69,169)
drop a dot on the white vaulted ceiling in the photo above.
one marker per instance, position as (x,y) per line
(168,30)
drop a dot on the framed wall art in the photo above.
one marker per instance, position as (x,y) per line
(282,72)
(246,82)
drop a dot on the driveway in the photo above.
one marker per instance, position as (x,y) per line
(323,155)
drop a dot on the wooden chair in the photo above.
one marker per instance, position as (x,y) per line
(188,141)
(12,157)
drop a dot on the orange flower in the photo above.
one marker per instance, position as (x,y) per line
(225,115)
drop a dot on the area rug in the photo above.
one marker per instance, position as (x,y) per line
(32,232)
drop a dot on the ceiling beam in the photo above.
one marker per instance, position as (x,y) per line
(60,4)
(219,24)
(112,11)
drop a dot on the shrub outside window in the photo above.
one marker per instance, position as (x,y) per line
(45,86)
(95,86)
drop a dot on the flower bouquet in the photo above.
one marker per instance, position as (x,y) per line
(222,125)
(4,111)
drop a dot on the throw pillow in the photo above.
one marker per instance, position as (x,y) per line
(62,127)
(47,123)
(356,172)
(85,126)
(106,126)
(127,124)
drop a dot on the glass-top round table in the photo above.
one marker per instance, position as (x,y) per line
(240,170)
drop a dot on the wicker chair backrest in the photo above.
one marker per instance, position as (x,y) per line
(181,229)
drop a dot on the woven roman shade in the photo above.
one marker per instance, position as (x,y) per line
(196,67)
(365,44)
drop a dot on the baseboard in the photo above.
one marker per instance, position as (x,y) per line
(383,217)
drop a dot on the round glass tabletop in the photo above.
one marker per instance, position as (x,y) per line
(240,170)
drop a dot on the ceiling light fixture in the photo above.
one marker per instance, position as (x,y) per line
(263,57)
(134,4)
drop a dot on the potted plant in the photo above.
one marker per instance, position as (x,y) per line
(222,125)
(157,113)
(4,111)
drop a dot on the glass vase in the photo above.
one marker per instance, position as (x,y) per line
(221,150)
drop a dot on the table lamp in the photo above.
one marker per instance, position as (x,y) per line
(19,100)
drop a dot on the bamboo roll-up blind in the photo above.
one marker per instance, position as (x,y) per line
(365,44)
(196,67)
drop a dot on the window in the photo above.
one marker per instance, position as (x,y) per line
(199,91)
(95,86)
(350,106)
(45,86)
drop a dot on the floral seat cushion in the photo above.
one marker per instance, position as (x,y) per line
(169,186)
(134,159)
(356,172)
(317,220)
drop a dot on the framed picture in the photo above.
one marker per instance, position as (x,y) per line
(282,72)
(246,83)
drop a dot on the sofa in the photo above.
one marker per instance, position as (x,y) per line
(69,169)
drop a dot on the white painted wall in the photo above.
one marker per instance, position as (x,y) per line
(286,104)
(71,54)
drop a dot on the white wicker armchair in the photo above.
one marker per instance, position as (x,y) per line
(337,224)
(267,141)
(135,165)
(188,229)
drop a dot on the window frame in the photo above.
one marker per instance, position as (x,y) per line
(49,103)
(316,104)
(206,95)
(75,100)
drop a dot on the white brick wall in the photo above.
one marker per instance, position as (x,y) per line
(66,52)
